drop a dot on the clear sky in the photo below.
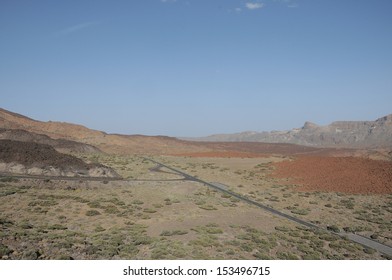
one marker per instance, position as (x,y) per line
(196,67)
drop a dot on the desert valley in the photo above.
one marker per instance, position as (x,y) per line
(69,192)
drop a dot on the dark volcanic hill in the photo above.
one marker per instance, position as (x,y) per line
(61,145)
(347,134)
(39,159)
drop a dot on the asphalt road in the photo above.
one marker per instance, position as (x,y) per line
(59,178)
(366,242)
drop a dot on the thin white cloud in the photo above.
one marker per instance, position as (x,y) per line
(293,5)
(289,3)
(253,5)
(77,27)
(168,1)
(238,10)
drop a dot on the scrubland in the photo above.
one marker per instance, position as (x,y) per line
(156,214)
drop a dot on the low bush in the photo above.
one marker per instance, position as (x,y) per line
(333,228)
(4,250)
(173,232)
(92,213)
(208,207)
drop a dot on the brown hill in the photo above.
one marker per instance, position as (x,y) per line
(110,143)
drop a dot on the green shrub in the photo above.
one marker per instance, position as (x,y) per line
(31,255)
(9,180)
(92,213)
(214,230)
(173,232)
(43,203)
(148,210)
(57,227)
(4,250)
(111,209)
(369,251)
(328,237)
(208,207)
(282,228)
(333,228)
(137,202)
(286,256)
(349,229)
(99,229)
(94,204)
(157,205)
(300,211)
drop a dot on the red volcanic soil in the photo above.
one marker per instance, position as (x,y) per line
(256,148)
(250,150)
(222,154)
(338,174)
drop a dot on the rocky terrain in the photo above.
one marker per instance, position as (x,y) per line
(349,134)
(31,158)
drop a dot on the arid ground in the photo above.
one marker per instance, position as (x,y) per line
(157,214)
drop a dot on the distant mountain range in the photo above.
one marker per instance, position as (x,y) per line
(347,134)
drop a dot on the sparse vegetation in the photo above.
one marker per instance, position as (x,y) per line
(151,219)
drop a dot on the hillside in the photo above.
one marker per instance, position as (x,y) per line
(110,143)
(61,145)
(39,159)
(346,134)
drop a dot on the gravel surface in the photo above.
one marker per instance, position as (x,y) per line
(338,174)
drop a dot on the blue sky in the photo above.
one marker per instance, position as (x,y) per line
(196,67)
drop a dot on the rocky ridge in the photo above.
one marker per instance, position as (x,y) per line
(346,134)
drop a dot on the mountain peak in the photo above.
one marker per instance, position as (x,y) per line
(309,125)
(385,120)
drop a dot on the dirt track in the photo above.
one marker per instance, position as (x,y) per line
(338,174)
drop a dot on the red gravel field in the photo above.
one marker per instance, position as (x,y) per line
(338,174)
